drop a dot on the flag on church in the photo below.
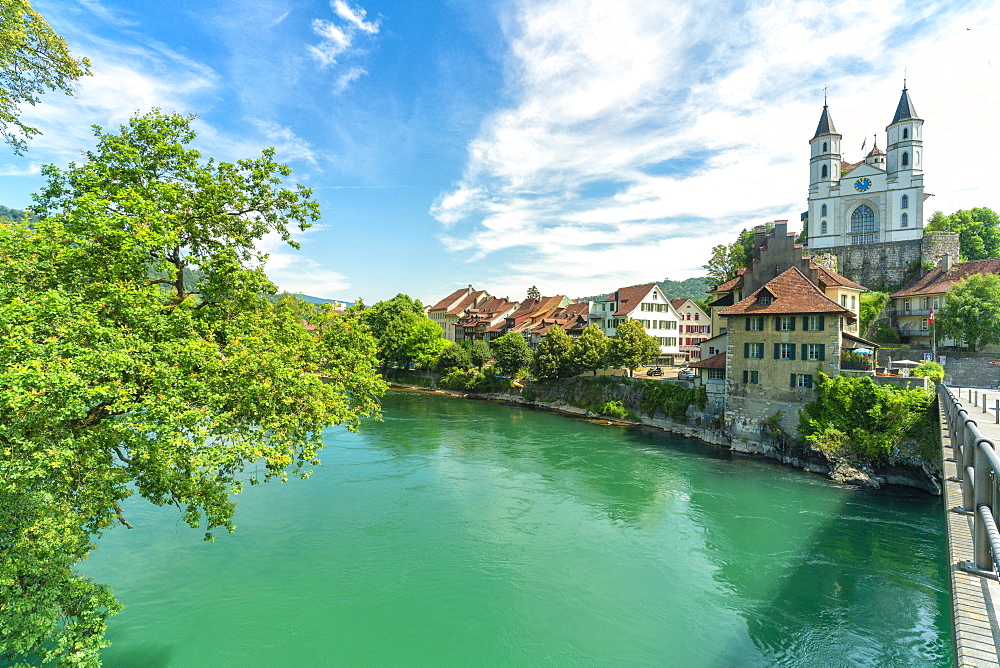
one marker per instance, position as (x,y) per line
(931,319)
(863,144)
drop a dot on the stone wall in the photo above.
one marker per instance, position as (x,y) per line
(888,264)
(971,371)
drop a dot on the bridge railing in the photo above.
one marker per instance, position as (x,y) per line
(978,468)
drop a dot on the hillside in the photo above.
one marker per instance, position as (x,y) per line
(691,288)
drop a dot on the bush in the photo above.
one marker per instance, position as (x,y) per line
(615,409)
(931,370)
(854,416)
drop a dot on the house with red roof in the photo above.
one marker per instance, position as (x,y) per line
(478,321)
(694,327)
(648,305)
(447,312)
(913,303)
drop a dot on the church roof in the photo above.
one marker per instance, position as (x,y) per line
(825,126)
(905,110)
(875,151)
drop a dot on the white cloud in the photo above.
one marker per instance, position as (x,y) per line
(639,134)
(292,271)
(339,38)
(288,145)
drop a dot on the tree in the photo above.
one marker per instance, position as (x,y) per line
(978,231)
(553,359)
(479,354)
(631,346)
(390,322)
(872,304)
(33,59)
(453,356)
(931,370)
(972,311)
(423,342)
(533,293)
(114,383)
(590,350)
(513,357)
(727,259)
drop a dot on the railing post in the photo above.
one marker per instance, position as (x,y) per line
(997,411)
(983,556)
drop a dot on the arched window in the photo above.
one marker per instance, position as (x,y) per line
(905,202)
(863,219)
(906,158)
(905,221)
(823,173)
(824,147)
(906,133)
(822,210)
(822,227)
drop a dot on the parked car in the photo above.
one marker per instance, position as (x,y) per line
(687,374)
(655,371)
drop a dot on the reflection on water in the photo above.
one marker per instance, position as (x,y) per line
(466,533)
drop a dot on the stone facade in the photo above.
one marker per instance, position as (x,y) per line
(888,264)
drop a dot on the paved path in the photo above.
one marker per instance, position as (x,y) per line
(975,600)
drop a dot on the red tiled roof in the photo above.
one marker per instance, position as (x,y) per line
(731,283)
(677,303)
(791,293)
(465,302)
(628,298)
(713,362)
(448,301)
(936,281)
(833,278)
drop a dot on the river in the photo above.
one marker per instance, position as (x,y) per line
(467,533)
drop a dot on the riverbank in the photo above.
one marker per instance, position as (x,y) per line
(904,467)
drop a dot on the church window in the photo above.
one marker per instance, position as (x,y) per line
(824,172)
(906,133)
(824,147)
(822,227)
(904,203)
(905,221)
(863,219)
(906,159)
(822,211)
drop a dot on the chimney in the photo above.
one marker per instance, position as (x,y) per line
(945,263)
(759,234)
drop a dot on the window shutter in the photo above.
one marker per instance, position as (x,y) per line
(793,351)
(753,376)
(805,323)
(745,375)
(792,319)
(809,381)
(792,382)
(777,323)
(746,350)
(777,351)
(822,323)
(748,324)
(805,351)
(822,353)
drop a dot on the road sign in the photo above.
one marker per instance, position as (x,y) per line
(928,357)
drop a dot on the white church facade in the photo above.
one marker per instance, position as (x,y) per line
(878,200)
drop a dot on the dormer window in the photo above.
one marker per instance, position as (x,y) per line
(764,300)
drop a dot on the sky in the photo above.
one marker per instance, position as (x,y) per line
(575,145)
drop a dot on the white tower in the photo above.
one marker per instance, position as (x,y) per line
(824,160)
(905,138)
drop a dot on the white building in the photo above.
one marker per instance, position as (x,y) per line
(879,199)
(648,305)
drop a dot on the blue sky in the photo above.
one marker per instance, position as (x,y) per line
(576,145)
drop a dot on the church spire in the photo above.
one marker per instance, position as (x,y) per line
(905,110)
(825,126)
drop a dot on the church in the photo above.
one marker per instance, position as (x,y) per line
(870,214)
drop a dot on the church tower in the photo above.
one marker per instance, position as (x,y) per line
(905,134)
(824,163)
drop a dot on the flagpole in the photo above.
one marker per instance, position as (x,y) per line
(933,338)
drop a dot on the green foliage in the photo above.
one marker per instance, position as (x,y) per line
(554,357)
(590,350)
(480,354)
(931,370)
(403,332)
(33,59)
(116,384)
(972,311)
(513,357)
(689,288)
(423,342)
(631,346)
(670,398)
(533,293)
(885,334)
(16,216)
(727,259)
(453,356)
(615,409)
(854,416)
(978,231)
(872,305)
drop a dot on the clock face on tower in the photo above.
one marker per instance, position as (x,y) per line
(861,185)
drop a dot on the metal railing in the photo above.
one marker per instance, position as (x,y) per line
(978,470)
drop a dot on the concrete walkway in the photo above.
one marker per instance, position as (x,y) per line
(975,599)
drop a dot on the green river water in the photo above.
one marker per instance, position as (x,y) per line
(465,533)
